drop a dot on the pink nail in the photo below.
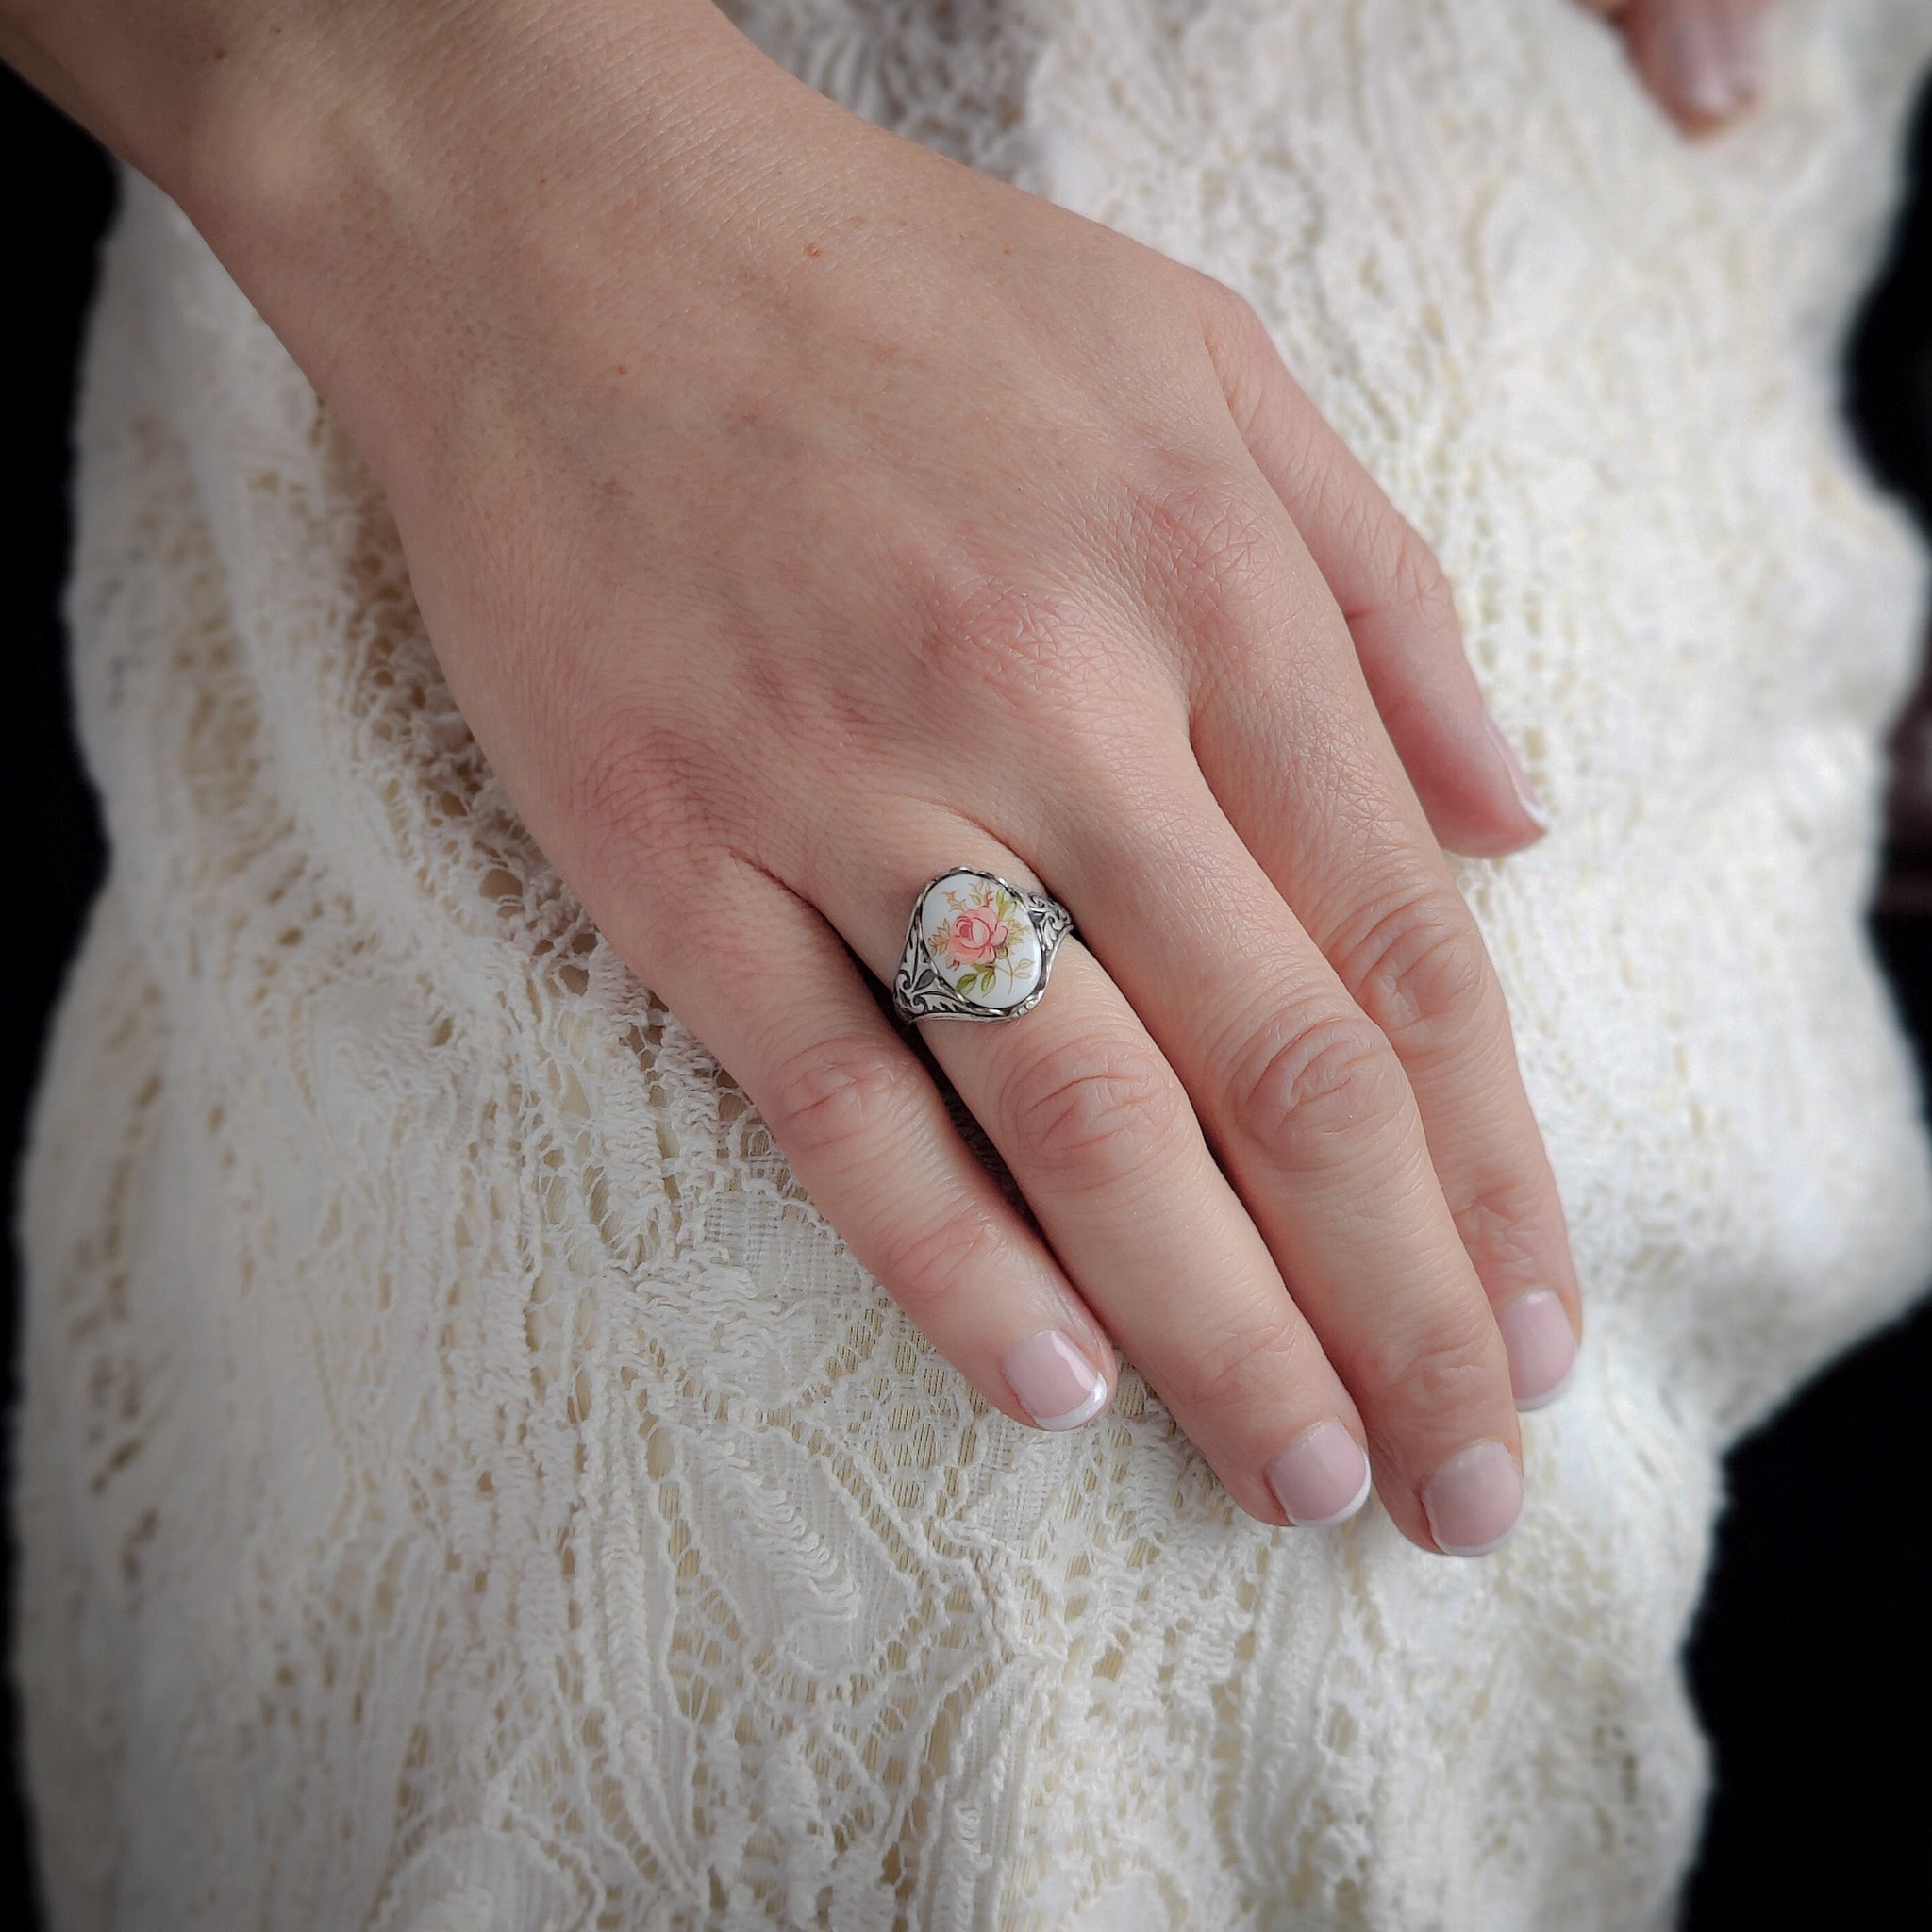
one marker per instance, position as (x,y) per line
(1057,1385)
(1542,1346)
(1474,1500)
(1744,41)
(1321,1478)
(1703,64)
(1519,779)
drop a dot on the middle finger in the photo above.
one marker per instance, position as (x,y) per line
(1309,1109)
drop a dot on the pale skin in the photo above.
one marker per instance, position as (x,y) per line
(797,514)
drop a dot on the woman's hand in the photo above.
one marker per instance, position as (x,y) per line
(1703,59)
(798,514)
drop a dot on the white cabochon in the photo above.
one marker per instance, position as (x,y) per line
(981,940)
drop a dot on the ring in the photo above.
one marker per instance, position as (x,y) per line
(977,948)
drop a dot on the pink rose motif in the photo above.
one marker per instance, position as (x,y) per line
(976,935)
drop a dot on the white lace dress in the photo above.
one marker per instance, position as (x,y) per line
(465,1486)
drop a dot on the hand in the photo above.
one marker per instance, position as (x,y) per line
(797,514)
(1703,59)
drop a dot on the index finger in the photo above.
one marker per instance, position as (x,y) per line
(1290,743)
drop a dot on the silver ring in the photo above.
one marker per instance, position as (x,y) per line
(977,948)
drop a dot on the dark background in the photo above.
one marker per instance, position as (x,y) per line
(1810,1662)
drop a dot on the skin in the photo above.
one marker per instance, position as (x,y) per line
(797,514)
(1703,59)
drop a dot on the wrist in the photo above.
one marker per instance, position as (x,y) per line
(410,126)
(183,88)
(414,228)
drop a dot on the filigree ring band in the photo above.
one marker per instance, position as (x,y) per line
(977,948)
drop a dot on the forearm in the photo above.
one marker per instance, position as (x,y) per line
(170,84)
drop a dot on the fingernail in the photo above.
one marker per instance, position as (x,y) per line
(1701,58)
(1743,39)
(1519,778)
(1542,1345)
(1057,1385)
(1321,1478)
(1474,1500)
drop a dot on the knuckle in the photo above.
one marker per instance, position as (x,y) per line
(838,1100)
(1224,300)
(1313,1099)
(930,1260)
(1019,646)
(640,787)
(1250,1367)
(1419,584)
(1420,972)
(1504,1224)
(1454,1367)
(1216,550)
(1235,331)
(1090,1112)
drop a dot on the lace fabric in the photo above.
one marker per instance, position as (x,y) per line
(463,1484)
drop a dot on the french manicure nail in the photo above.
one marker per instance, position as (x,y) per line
(1321,1478)
(1055,1383)
(1542,1346)
(1701,57)
(1474,1500)
(1519,779)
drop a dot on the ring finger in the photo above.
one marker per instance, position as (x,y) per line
(1101,1136)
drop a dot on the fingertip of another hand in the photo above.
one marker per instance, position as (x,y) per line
(1697,124)
(1705,67)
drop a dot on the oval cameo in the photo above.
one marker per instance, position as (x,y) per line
(981,940)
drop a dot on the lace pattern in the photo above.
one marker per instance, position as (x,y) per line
(463,1484)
